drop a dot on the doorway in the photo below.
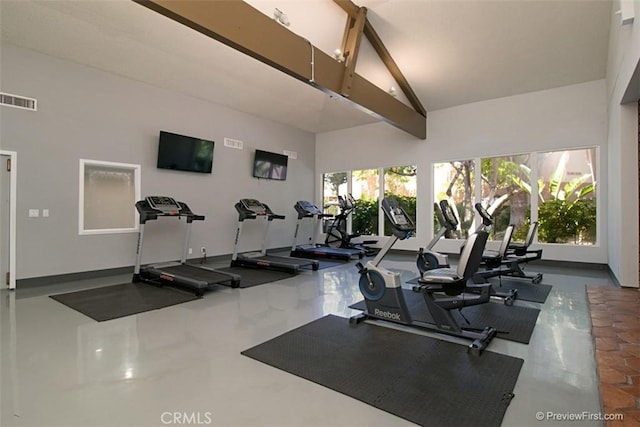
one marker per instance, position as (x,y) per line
(8,171)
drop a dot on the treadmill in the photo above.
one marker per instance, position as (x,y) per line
(254,209)
(307,209)
(178,274)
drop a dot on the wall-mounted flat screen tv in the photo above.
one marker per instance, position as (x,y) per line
(184,153)
(270,165)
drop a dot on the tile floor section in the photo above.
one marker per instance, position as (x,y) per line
(61,368)
(615,317)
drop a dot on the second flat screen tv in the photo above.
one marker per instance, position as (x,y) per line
(184,153)
(269,165)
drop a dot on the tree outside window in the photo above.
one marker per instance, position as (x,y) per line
(567,196)
(506,193)
(334,185)
(366,212)
(455,181)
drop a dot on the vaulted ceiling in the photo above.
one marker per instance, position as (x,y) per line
(451,52)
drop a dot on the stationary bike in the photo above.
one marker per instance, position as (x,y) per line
(384,296)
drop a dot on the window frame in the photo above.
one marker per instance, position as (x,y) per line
(129,167)
(534,188)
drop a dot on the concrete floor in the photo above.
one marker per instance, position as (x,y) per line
(61,368)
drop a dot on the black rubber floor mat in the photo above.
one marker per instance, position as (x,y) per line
(112,302)
(527,291)
(420,379)
(256,276)
(513,323)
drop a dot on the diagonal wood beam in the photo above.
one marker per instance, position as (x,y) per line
(351,47)
(352,11)
(240,26)
(393,68)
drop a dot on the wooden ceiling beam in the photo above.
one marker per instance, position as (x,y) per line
(352,12)
(351,48)
(244,28)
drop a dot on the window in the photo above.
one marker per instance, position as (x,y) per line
(400,182)
(108,193)
(455,181)
(563,182)
(506,193)
(567,196)
(365,217)
(334,185)
(365,187)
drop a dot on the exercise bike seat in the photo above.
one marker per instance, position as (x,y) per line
(440,275)
(469,263)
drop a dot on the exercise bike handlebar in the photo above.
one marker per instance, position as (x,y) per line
(450,220)
(487,219)
(403,226)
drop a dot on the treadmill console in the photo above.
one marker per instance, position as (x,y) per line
(166,205)
(307,208)
(153,207)
(254,206)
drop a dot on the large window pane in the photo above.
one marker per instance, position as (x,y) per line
(567,196)
(365,191)
(400,182)
(506,193)
(455,181)
(334,185)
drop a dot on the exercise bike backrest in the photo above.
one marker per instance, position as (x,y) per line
(471,256)
(403,226)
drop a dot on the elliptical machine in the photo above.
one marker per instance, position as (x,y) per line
(337,235)
(384,296)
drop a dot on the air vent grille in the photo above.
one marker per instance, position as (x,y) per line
(17,101)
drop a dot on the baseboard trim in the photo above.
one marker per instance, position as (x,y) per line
(72,277)
(540,262)
(94,274)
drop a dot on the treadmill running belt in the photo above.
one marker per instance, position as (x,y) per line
(197,273)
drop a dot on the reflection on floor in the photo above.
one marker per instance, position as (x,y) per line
(615,316)
(183,363)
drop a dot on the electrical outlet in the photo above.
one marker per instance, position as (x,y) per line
(203,250)
(34,213)
(45,213)
(190,251)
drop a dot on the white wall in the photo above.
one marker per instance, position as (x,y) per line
(555,119)
(624,58)
(86,113)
